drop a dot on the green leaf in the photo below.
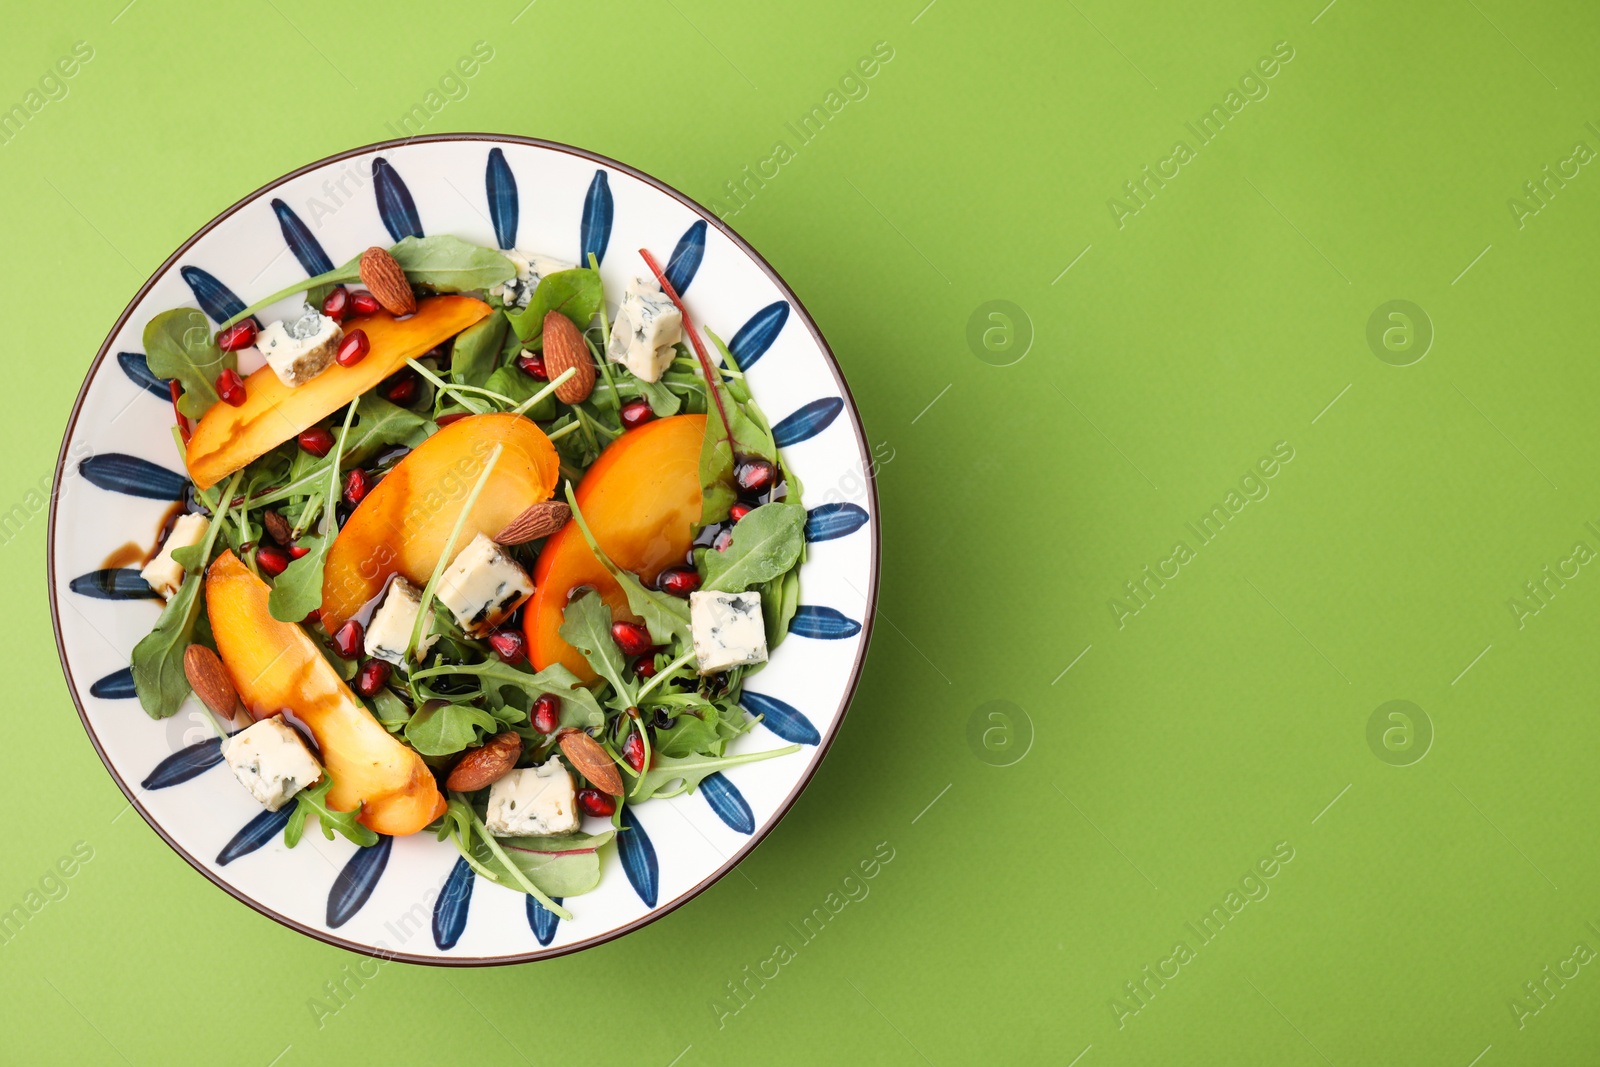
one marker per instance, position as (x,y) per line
(664,615)
(390,710)
(765,544)
(297,592)
(565,866)
(177,344)
(722,444)
(672,775)
(663,401)
(314,801)
(476,353)
(157,659)
(450,265)
(694,732)
(586,626)
(779,600)
(579,707)
(576,293)
(512,381)
(440,729)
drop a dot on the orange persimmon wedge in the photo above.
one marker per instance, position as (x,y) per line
(641,499)
(228,437)
(403,524)
(276,667)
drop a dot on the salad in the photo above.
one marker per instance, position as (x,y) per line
(463,553)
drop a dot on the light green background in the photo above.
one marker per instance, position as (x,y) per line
(1229,715)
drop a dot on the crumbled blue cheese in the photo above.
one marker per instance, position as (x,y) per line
(727,630)
(271,761)
(531,267)
(483,586)
(301,348)
(648,325)
(532,802)
(164,574)
(390,629)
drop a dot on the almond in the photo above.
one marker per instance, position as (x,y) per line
(563,348)
(485,765)
(381,274)
(541,520)
(209,680)
(591,761)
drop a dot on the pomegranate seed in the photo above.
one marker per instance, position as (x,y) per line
(547,713)
(230,387)
(679,581)
(724,539)
(593,802)
(356,486)
(313,617)
(509,645)
(645,667)
(336,305)
(633,639)
(373,674)
(633,751)
(318,440)
(534,366)
(635,413)
(446,420)
(402,390)
(347,641)
(296,551)
(271,559)
(241,334)
(353,349)
(363,302)
(755,475)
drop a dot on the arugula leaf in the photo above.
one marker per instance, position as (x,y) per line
(314,801)
(178,344)
(390,710)
(476,353)
(745,436)
(297,592)
(664,615)
(693,732)
(765,544)
(442,729)
(586,626)
(663,401)
(512,381)
(674,775)
(579,707)
(576,293)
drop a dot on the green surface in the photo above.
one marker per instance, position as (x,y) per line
(1226,719)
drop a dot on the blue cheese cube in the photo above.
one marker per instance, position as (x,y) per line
(164,574)
(299,349)
(533,802)
(271,761)
(727,630)
(531,268)
(648,325)
(483,586)
(390,629)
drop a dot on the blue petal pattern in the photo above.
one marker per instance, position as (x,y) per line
(824,623)
(184,764)
(118,583)
(132,476)
(595,232)
(357,881)
(450,913)
(215,299)
(306,248)
(807,422)
(137,368)
(785,720)
(257,832)
(757,335)
(118,685)
(685,261)
(543,920)
(728,803)
(395,205)
(827,521)
(501,187)
(639,858)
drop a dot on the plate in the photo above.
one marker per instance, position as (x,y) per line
(117,476)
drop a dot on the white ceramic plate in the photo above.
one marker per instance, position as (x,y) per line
(412,898)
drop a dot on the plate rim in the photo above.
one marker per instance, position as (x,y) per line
(856,668)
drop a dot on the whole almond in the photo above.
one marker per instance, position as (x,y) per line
(381,274)
(485,765)
(541,520)
(591,761)
(278,527)
(209,680)
(563,348)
